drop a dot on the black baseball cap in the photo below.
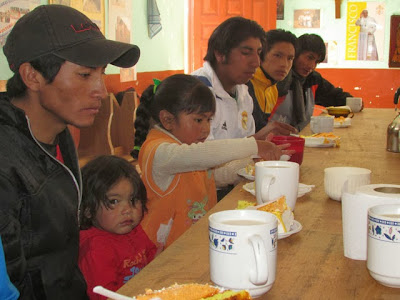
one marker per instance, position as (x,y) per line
(67,33)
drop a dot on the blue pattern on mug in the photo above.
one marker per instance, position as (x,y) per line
(384,230)
(222,241)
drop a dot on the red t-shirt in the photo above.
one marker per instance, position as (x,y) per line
(110,260)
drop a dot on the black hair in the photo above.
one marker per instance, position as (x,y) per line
(98,176)
(276,36)
(48,65)
(175,94)
(229,34)
(311,42)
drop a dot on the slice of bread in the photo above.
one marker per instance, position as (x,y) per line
(193,291)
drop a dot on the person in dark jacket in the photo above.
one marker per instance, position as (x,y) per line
(277,57)
(57,81)
(304,87)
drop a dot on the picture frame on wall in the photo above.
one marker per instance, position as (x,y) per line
(280,8)
(394,49)
(306,18)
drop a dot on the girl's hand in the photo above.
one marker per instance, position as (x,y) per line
(270,151)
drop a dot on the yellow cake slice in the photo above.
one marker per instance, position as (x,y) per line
(282,211)
(193,291)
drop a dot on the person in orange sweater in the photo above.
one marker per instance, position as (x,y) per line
(178,165)
(113,246)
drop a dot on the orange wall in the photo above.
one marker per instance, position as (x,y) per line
(376,86)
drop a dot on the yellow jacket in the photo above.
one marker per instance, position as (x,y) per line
(265,92)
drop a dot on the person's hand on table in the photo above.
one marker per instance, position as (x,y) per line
(275,127)
(269,151)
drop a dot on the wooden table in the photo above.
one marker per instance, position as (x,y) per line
(311,263)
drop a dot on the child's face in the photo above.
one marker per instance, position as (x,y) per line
(123,215)
(191,128)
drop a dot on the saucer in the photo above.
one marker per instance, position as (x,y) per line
(295,228)
(301,191)
(242,172)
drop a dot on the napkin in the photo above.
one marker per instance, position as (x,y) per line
(355,216)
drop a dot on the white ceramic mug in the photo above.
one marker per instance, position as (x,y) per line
(383,244)
(320,124)
(243,249)
(336,177)
(274,179)
(354,103)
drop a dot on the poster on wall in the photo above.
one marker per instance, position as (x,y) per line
(394,54)
(94,9)
(119,29)
(280,8)
(306,18)
(365,31)
(331,56)
(10,12)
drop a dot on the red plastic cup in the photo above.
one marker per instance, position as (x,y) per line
(296,143)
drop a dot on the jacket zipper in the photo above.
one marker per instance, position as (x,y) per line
(56,160)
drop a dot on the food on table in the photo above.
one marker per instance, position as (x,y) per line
(242,204)
(328,138)
(250,169)
(193,291)
(338,111)
(282,211)
(340,120)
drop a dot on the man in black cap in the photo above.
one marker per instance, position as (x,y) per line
(58,57)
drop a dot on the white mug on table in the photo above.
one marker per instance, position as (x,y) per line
(274,179)
(320,124)
(243,249)
(383,243)
(354,103)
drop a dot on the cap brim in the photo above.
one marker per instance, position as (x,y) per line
(101,52)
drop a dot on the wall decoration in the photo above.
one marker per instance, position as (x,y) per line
(94,9)
(306,18)
(120,29)
(10,12)
(280,8)
(394,49)
(365,31)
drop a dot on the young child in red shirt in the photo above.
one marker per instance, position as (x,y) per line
(113,245)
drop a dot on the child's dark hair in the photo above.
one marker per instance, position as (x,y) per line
(311,42)
(98,176)
(175,94)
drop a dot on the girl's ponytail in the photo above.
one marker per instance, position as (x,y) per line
(142,121)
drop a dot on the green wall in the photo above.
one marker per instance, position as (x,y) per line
(165,51)
(332,29)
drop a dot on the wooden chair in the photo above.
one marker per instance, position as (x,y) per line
(122,125)
(96,140)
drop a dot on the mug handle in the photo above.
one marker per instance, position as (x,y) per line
(265,185)
(259,276)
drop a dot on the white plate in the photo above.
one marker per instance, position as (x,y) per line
(346,123)
(295,228)
(319,142)
(302,190)
(242,172)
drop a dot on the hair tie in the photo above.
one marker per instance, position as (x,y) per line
(136,148)
(156,84)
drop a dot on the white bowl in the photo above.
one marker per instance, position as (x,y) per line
(336,177)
